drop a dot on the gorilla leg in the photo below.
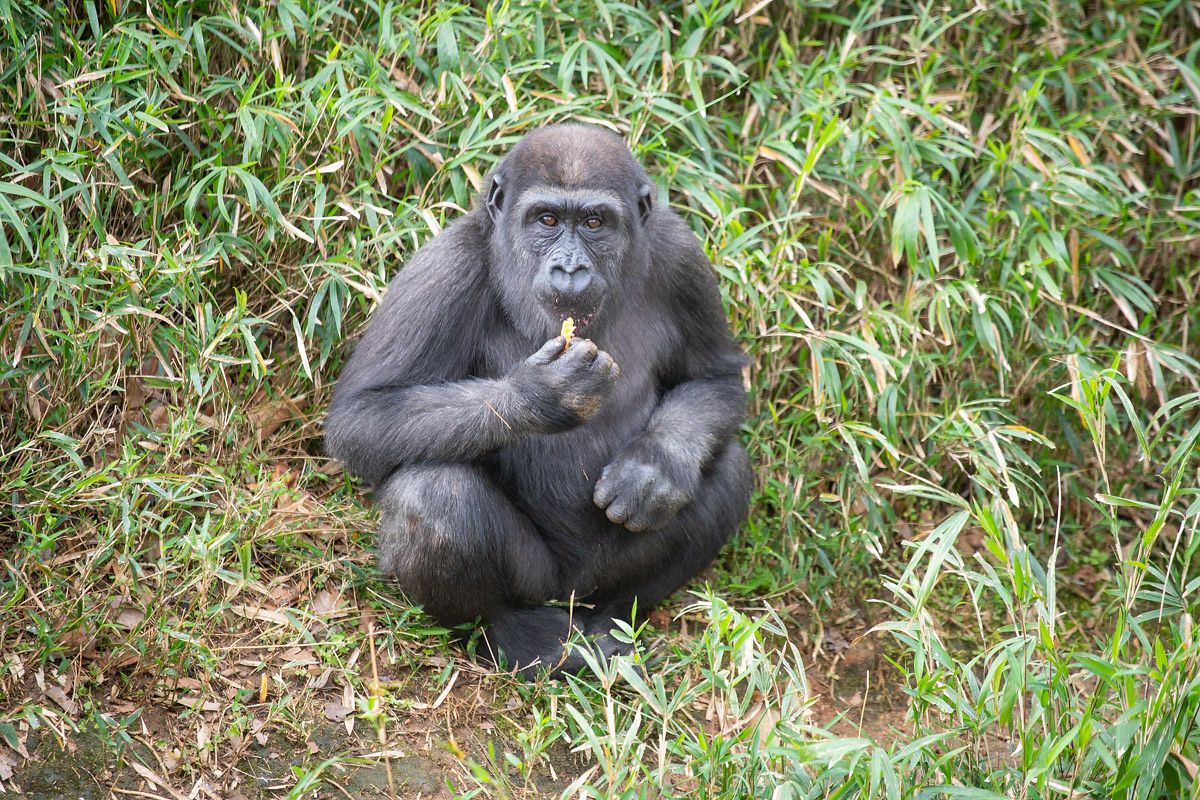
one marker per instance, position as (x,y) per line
(646,567)
(458,546)
(534,640)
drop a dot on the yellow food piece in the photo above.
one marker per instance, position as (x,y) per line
(568,329)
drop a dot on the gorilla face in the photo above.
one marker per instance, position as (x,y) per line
(559,245)
(577,241)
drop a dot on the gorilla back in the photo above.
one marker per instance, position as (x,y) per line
(512,470)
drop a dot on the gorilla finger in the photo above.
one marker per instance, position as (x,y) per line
(659,511)
(547,352)
(636,524)
(618,513)
(583,351)
(606,490)
(604,365)
(669,498)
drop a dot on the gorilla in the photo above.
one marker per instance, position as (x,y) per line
(543,488)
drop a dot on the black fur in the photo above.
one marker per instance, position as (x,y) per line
(510,475)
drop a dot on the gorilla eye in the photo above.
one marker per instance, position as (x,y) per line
(549,220)
(593,222)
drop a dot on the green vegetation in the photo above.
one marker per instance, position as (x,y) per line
(960,243)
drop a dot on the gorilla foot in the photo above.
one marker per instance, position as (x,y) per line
(547,641)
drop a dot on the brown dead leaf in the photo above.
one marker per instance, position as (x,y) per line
(335,711)
(198,704)
(326,603)
(154,779)
(283,594)
(56,694)
(859,657)
(834,640)
(320,679)
(8,766)
(160,416)
(268,415)
(660,618)
(299,657)
(130,618)
(1034,160)
(135,394)
(1078,149)
(120,661)
(970,542)
(257,729)
(76,640)
(331,467)
(263,614)
(287,477)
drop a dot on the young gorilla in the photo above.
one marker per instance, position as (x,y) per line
(508,480)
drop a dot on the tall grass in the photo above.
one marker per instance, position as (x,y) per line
(959,242)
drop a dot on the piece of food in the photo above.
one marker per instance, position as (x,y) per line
(568,330)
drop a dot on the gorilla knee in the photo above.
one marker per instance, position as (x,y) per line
(416,526)
(429,544)
(457,545)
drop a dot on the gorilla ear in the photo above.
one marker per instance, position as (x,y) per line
(495,198)
(645,201)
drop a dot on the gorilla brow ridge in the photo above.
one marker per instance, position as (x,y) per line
(556,196)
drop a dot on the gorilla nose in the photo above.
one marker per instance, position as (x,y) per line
(571,279)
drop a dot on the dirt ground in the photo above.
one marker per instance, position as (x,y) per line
(428,752)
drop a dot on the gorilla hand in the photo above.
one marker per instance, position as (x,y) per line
(564,388)
(642,489)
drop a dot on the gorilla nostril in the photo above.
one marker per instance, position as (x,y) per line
(570,278)
(560,279)
(580,279)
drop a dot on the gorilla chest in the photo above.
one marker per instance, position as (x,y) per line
(552,477)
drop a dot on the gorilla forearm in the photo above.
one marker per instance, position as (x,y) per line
(659,472)
(697,418)
(374,431)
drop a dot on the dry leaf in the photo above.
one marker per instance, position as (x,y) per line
(335,711)
(130,618)
(160,416)
(326,603)
(267,418)
(56,694)
(263,614)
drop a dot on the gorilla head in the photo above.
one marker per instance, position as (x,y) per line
(569,207)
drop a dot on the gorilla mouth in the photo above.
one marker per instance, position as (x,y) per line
(582,310)
(583,320)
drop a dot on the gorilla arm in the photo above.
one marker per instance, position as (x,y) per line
(406,395)
(658,473)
